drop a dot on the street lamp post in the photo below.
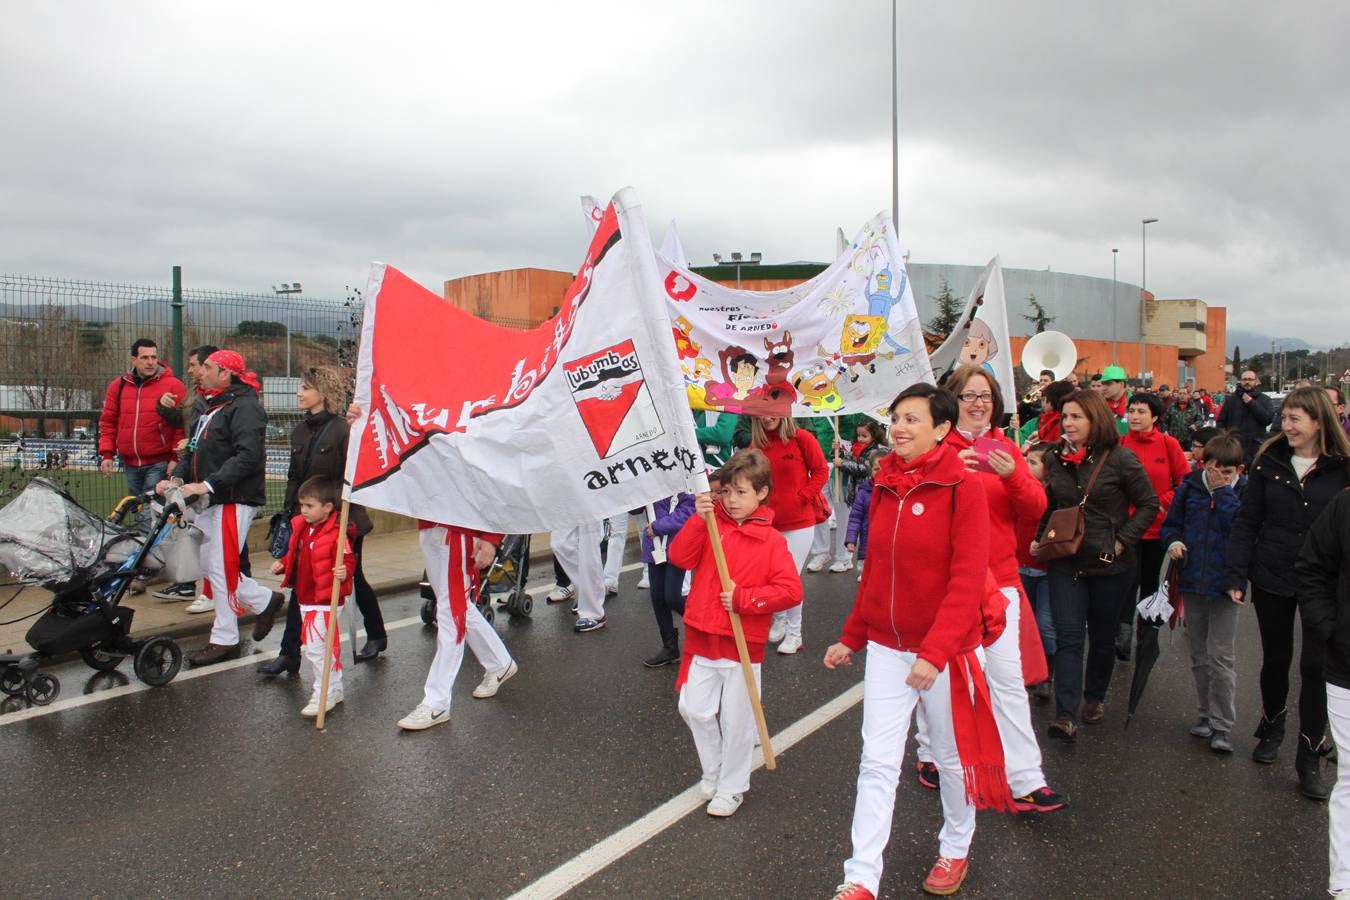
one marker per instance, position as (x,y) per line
(895,127)
(1115,361)
(738,259)
(285,290)
(1143,297)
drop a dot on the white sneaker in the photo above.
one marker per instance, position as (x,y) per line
(724,805)
(644,582)
(201,605)
(423,717)
(791,644)
(708,788)
(493,680)
(860,578)
(842,565)
(816,564)
(777,631)
(311,709)
(561,594)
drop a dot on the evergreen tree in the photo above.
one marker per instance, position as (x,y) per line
(949,309)
(1038,319)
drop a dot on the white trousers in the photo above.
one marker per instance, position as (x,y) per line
(578,552)
(1007,690)
(725,742)
(614,547)
(221,563)
(888,704)
(447,579)
(799,545)
(827,538)
(314,624)
(1338,715)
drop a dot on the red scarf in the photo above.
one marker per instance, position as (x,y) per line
(977,738)
(1048,428)
(907,475)
(859,448)
(1077,457)
(233,362)
(1119,406)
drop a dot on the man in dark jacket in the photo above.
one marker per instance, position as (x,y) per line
(225,463)
(128,426)
(1323,571)
(1248,414)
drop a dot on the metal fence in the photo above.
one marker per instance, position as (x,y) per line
(63,341)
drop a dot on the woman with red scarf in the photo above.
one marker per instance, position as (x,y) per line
(918,614)
(1165,462)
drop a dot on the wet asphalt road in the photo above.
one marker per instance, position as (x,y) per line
(215,786)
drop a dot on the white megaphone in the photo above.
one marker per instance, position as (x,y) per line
(1053,350)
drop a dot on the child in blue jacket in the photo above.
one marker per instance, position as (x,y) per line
(1196,533)
(855,538)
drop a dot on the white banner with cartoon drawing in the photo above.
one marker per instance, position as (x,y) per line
(846,341)
(980,337)
(468,423)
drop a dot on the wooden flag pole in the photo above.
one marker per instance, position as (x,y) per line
(710,519)
(332,629)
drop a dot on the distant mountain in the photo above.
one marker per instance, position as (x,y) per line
(1252,343)
(308,315)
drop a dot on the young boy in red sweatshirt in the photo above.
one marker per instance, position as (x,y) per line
(764,581)
(310,565)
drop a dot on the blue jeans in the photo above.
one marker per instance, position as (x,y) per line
(140,480)
(1037,587)
(1086,612)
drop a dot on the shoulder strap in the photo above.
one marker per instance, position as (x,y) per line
(1093,480)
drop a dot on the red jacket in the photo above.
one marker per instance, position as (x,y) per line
(799,474)
(129,425)
(1014,502)
(759,563)
(1165,463)
(316,546)
(927,561)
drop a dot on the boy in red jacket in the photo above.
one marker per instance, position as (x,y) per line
(310,565)
(764,580)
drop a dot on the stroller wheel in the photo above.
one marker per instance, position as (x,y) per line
(488,612)
(158,661)
(101,660)
(429,611)
(43,689)
(520,603)
(11,681)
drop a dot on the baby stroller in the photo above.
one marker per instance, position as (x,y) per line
(47,539)
(510,567)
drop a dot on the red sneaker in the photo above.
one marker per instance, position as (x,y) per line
(928,775)
(946,876)
(850,891)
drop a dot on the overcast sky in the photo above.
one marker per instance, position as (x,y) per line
(255,143)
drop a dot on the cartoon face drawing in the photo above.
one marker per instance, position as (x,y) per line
(702,369)
(741,371)
(815,384)
(685,348)
(861,336)
(979,346)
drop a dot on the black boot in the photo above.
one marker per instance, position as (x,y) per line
(373,648)
(1124,635)
(283,664)
(669,652)
(1269,735)
(1327,750)
(1308,764)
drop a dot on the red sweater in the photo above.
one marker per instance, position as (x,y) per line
(131,427)
(1165,463)
(314,547)
(760,565)
(799,473)
(927,561)
(1014,502)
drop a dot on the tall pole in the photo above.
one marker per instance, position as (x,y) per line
(1115,360)
(1143,297)
(895,126)
(177,306)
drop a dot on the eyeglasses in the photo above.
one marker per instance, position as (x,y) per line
(972,397)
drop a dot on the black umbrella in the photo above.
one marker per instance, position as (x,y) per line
(1146,646)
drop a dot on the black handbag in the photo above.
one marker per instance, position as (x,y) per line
(279,535)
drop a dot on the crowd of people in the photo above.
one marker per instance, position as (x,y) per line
(998,567)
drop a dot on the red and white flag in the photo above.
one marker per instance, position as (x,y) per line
(468,423)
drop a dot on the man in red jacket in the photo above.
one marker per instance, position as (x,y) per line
(130,427)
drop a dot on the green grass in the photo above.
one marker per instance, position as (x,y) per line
(98,494)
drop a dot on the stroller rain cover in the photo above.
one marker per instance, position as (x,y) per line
(47,538)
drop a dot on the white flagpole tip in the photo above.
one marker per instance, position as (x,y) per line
(701,485)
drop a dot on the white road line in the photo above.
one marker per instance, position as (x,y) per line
(625,840)
(136,686)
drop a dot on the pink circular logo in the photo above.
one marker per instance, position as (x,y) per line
(918,509)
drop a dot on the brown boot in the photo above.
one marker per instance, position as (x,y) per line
(212,654)
(263,624)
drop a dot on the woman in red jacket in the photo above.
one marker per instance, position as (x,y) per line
(799,473)
(918,614)
(1165,462)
